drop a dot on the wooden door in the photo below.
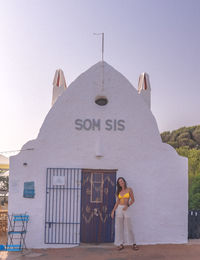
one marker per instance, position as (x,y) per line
(97,202)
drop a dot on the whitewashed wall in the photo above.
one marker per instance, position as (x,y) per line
(156,173)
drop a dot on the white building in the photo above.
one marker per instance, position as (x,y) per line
(100,128)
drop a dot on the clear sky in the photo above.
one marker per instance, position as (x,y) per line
(160,37)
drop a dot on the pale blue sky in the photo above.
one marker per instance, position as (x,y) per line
(160,37)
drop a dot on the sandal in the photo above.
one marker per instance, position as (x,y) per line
(135,247)
(120,247)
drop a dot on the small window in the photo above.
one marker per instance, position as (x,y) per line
(101,101)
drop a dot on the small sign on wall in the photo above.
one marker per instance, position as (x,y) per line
(29,189)
(58,180)
(98,124)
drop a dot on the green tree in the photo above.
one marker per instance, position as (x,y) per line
(186,141)
(165,136)
(196,134)
(194,192)
(194,161)
(184,136)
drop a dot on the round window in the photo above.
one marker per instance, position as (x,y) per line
(101,101)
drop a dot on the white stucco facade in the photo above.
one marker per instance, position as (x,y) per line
(121,135)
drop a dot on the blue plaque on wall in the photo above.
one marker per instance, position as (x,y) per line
(29,189)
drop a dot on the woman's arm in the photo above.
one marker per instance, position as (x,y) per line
(115,207)
(132,200)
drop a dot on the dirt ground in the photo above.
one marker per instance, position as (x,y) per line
(190,251)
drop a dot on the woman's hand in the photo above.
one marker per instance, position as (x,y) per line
(112,214)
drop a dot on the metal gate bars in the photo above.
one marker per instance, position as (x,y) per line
(194,224)
(62,213)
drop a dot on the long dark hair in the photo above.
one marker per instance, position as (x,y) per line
(119,188)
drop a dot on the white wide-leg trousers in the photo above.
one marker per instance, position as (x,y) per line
(123,227)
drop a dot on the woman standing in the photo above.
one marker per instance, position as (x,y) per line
(123,227)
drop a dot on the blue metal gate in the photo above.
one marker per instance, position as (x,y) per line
(194,224)
(62,212)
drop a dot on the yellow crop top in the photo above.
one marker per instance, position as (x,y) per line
(125,196)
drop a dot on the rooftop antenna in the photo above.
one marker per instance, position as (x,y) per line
(102,47)
(102,57)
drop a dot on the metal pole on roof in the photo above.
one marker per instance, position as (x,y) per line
(102,44)
(102,57)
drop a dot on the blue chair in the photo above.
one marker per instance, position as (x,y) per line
(17,232)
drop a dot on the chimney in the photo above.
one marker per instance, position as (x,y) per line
(59,85)
(144,88)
